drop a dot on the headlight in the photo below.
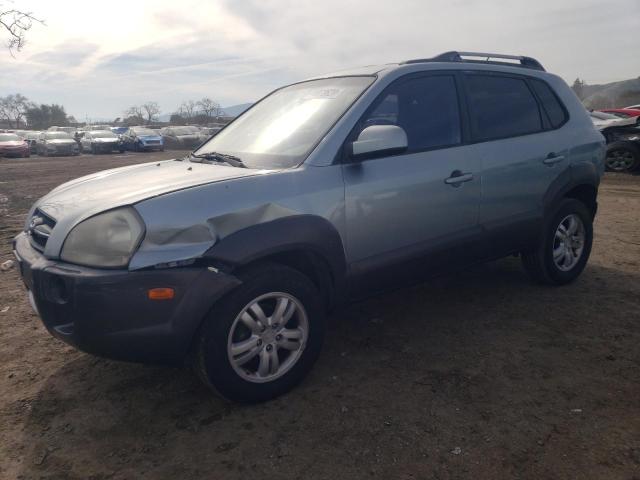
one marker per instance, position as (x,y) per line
(106,240)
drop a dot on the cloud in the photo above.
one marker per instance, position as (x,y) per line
(98,61)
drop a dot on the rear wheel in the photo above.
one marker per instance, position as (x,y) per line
(263,338)
(565,247)
(622,157)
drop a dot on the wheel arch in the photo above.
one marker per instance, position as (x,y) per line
(307,243)
(580,182)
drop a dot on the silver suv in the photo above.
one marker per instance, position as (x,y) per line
(325,191)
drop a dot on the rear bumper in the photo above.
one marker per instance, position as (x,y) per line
(107,312)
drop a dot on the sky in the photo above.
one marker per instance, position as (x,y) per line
(99,58)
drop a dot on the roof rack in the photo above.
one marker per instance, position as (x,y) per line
(526,62)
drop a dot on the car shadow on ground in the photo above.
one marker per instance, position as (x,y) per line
(483,358)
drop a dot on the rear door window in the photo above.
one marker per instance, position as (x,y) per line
(501,107)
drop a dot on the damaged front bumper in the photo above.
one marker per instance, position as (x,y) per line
(108,312)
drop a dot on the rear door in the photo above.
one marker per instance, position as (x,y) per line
(521,152)
(417,204)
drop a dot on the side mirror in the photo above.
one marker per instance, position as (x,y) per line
(377,140)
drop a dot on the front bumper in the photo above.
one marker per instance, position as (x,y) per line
(13,152)
(108,313)
(107,146)
(67,149)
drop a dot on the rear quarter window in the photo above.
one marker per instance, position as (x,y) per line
(501,107)
(556,113)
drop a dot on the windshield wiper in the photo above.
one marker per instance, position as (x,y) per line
(218,158)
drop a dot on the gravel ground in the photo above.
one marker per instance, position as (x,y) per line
(478,375)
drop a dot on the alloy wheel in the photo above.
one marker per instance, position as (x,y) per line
(268,337)
(568,243)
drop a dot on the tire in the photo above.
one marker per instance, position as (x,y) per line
(223,326)
(622,157)
(540,263)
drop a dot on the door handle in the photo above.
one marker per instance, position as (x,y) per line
(552,159)
(457,178)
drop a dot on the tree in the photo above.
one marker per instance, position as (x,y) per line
(44,116)
(187,109)
(151,110)
(15,24)
(578,88)
(176,119)
(13,109)
(133,115)
(210,108)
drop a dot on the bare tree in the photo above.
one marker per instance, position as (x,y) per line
(134,112)
(13,109)
(16,23)
(151,109)
(209,107)
(187,109)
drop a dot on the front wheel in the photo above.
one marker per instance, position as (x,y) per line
(263,338)
(565,246)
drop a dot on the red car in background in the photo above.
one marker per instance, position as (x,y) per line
(622,112)
(12,145)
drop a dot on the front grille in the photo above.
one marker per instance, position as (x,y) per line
(40,228)
(152,142)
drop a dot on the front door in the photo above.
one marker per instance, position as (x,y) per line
(420,204)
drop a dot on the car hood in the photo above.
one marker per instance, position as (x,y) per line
(104,140)
(149,137)
(12,143)
(74,201)
(61,141)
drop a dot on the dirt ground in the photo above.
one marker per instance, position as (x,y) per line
(478,375)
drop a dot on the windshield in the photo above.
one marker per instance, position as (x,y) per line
(102,134)
(182,130)
(9,137)
(282,129)
(57,135)
(144,131)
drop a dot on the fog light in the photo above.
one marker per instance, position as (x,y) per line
(161,294)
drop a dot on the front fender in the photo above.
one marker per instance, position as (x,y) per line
(307,233)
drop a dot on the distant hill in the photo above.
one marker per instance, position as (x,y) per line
(236,110)
(612,95)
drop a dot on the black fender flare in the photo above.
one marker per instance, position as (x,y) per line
(582,174)
(294,233)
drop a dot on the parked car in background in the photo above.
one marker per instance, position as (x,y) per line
(209,131)
(56,143)
(140,139)
(101,141)
(69,130)
(182,138)
(119,130)
(12,145)
(622,112)
(31,137)
(623,141)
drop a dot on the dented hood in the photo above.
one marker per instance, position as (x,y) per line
(74,201)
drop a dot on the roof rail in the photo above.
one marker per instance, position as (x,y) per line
(526,62)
